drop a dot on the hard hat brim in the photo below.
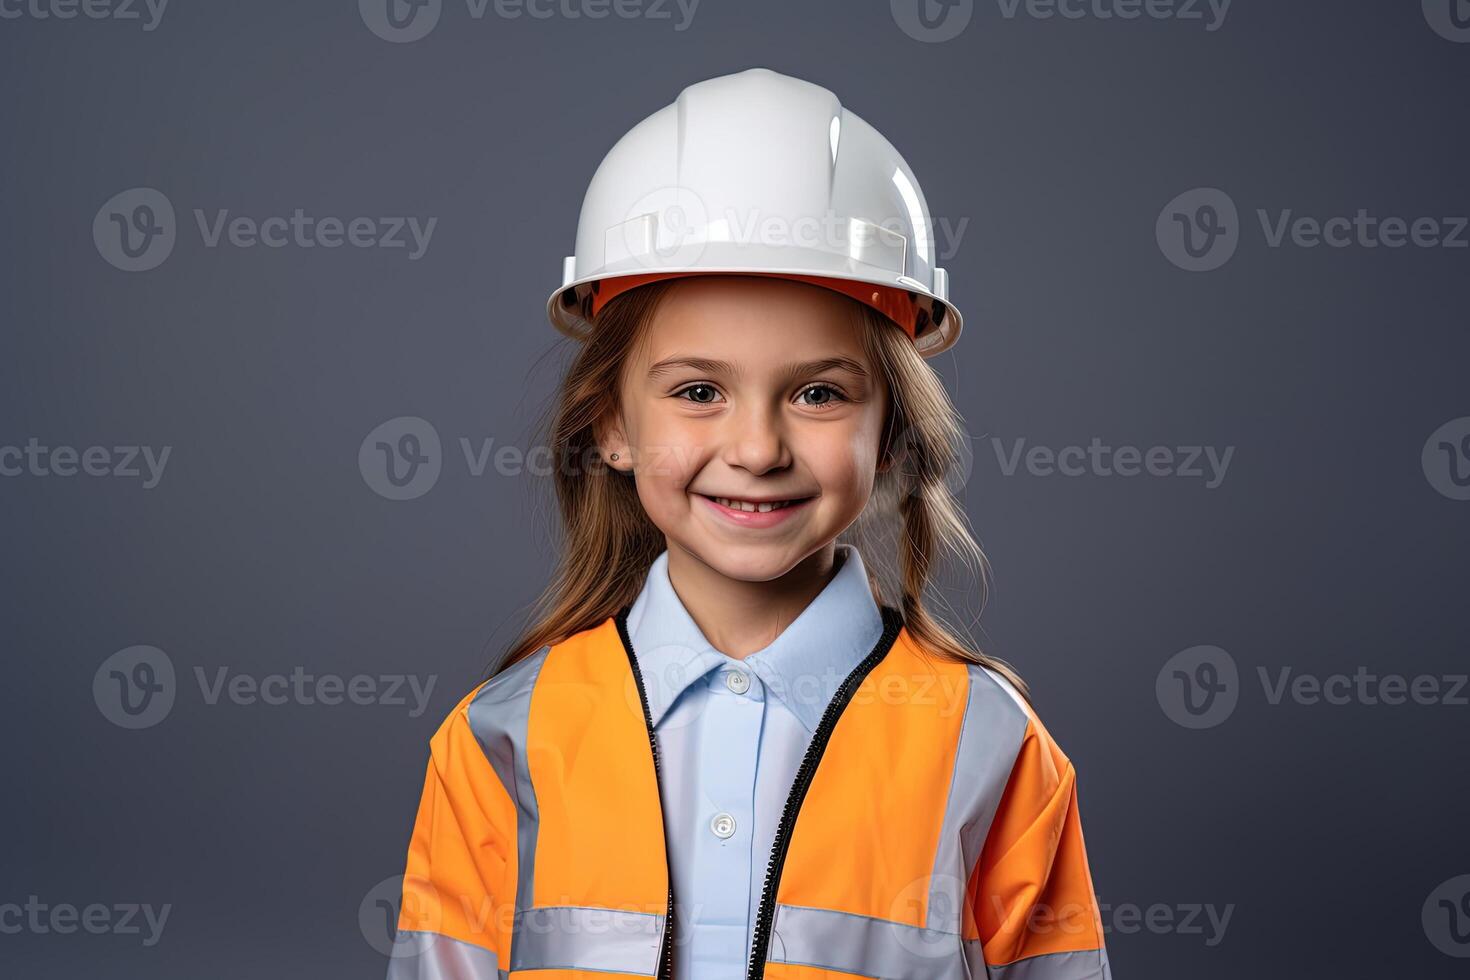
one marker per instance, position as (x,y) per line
(564,305)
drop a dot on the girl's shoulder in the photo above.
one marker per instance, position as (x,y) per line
(1001,725)
(497,703)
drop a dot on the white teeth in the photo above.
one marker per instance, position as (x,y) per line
(753,508)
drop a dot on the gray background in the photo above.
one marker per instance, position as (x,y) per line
(265,549)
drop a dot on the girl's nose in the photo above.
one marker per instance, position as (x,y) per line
(755,441)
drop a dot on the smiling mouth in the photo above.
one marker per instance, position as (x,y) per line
(754,507)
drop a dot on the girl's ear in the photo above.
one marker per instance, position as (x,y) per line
(612,442)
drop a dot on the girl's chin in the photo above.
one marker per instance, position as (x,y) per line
(746,561)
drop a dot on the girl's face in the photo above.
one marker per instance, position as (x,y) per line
(748,391)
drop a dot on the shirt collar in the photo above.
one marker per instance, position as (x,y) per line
(803,666)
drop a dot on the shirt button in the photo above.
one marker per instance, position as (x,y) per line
(723,826)
(737,681)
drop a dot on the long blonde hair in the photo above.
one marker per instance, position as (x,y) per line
(609,542)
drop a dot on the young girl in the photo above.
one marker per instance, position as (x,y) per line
(717,752)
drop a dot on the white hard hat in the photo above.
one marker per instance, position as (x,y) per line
(759,173)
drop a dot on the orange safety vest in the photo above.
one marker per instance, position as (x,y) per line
(931,832)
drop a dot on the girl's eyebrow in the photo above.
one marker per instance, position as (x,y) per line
(709,366)
(702,364)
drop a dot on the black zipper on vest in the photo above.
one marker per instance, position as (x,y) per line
(892,623)
(665,969)
(765,916)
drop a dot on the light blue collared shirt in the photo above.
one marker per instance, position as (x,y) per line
(732,733)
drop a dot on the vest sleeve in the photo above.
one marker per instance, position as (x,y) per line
(459,883)
(1031,889)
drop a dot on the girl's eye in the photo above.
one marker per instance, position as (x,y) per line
(826,394)
(707,393)
(817,395)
